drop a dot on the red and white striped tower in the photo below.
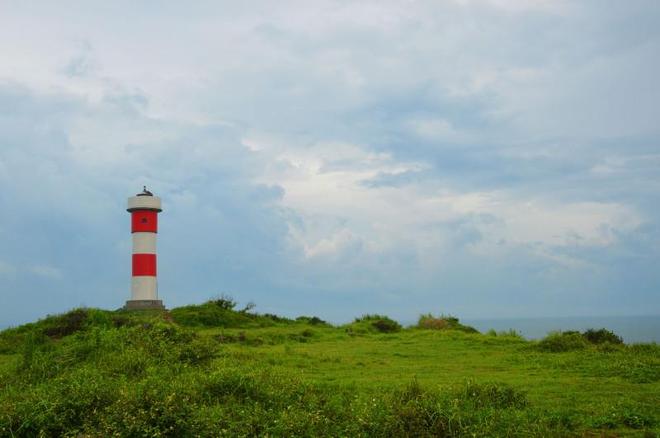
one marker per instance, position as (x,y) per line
(144,208)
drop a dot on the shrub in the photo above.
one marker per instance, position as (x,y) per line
(386,325)
(274,318)
(602,335)
(571,340)
(121,320)
(248,307)
(220,312)
(307,333)
(370,317)
(223,301)
(370,323)
(211,314)
(428,321)
(311,320)
(66,324)
(562,341)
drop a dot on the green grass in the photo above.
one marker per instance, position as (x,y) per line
(211,370)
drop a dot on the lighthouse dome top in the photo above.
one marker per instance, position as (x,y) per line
(145,192)
(144,201)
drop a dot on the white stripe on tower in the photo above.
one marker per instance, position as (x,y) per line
(144,243)
(144,287)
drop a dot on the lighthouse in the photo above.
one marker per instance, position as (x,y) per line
(144,208)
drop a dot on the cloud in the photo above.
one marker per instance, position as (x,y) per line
(482,157)
(6,268)
(46,271)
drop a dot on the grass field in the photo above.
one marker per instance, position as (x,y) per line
(210,370)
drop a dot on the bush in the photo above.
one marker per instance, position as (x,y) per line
(432,323)
(571,340)
(386,325)
(370,317)
(371,323)
(220,312)
(66,324)
(601,336)
(311,320)
(274,318)
(213,313)
(557,342)
(428,321)
(224,302)
(58,327)
(380,323)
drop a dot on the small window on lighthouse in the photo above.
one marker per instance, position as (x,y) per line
(144,220)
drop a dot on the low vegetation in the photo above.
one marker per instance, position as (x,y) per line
(574,340)
(213,370)
(428,321)
(221,312)
(373,324)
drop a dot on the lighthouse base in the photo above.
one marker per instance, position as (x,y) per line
(144,304)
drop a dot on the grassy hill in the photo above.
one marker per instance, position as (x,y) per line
(212,370)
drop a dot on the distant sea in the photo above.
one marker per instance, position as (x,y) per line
(630,328)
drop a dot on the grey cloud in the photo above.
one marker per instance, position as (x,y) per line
(538,104)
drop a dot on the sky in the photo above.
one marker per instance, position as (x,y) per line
(487,159)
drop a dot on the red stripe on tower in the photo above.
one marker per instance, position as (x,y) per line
(144,208)
(144,264)
(144,221)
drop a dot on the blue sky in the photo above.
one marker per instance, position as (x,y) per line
(483,158)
